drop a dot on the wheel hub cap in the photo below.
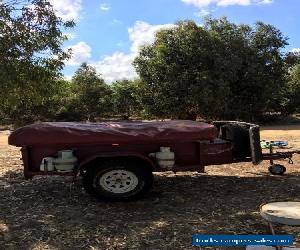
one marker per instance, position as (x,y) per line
(118,181)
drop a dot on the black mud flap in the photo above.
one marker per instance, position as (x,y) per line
(256,153)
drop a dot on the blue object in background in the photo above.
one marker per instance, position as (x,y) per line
(280,144)
(242,240)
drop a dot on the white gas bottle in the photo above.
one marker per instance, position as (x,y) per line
(47,164)
(165,158)
(66,161)
(65,154)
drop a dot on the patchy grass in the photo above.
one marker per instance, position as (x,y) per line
(53,213)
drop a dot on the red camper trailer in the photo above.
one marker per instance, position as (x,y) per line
(116,159)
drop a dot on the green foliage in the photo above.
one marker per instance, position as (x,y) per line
(220,70)
(126,98)
(29,104)
(174,69)
(29,32)
(92,97)
(292,58)
(31,57)
(292,94)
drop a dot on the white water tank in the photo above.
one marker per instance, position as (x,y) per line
(65,162)
(165,158)
(47,164)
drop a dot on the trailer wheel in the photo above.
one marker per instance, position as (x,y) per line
(277,169)
(118,181)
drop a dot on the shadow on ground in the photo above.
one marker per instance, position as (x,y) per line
(50,213)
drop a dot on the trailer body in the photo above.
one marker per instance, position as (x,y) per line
(195,144)
(96,145)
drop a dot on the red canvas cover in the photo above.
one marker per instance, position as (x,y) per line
(47,133)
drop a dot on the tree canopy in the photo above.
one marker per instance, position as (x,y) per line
(220,70)
(31,56)
(126,98)
(92,95)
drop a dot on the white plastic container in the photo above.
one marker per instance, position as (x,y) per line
(65,165)
(65,162)
(65,154)
(47,164)
(165,158)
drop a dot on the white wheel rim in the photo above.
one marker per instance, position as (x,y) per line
(118,181)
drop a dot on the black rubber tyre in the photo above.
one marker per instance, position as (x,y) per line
(277,169)
(111,180)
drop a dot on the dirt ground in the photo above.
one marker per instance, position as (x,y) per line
(51,213)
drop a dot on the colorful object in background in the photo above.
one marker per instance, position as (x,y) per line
(266,144)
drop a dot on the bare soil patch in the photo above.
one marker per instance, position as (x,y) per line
(3,137)
(51,213)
